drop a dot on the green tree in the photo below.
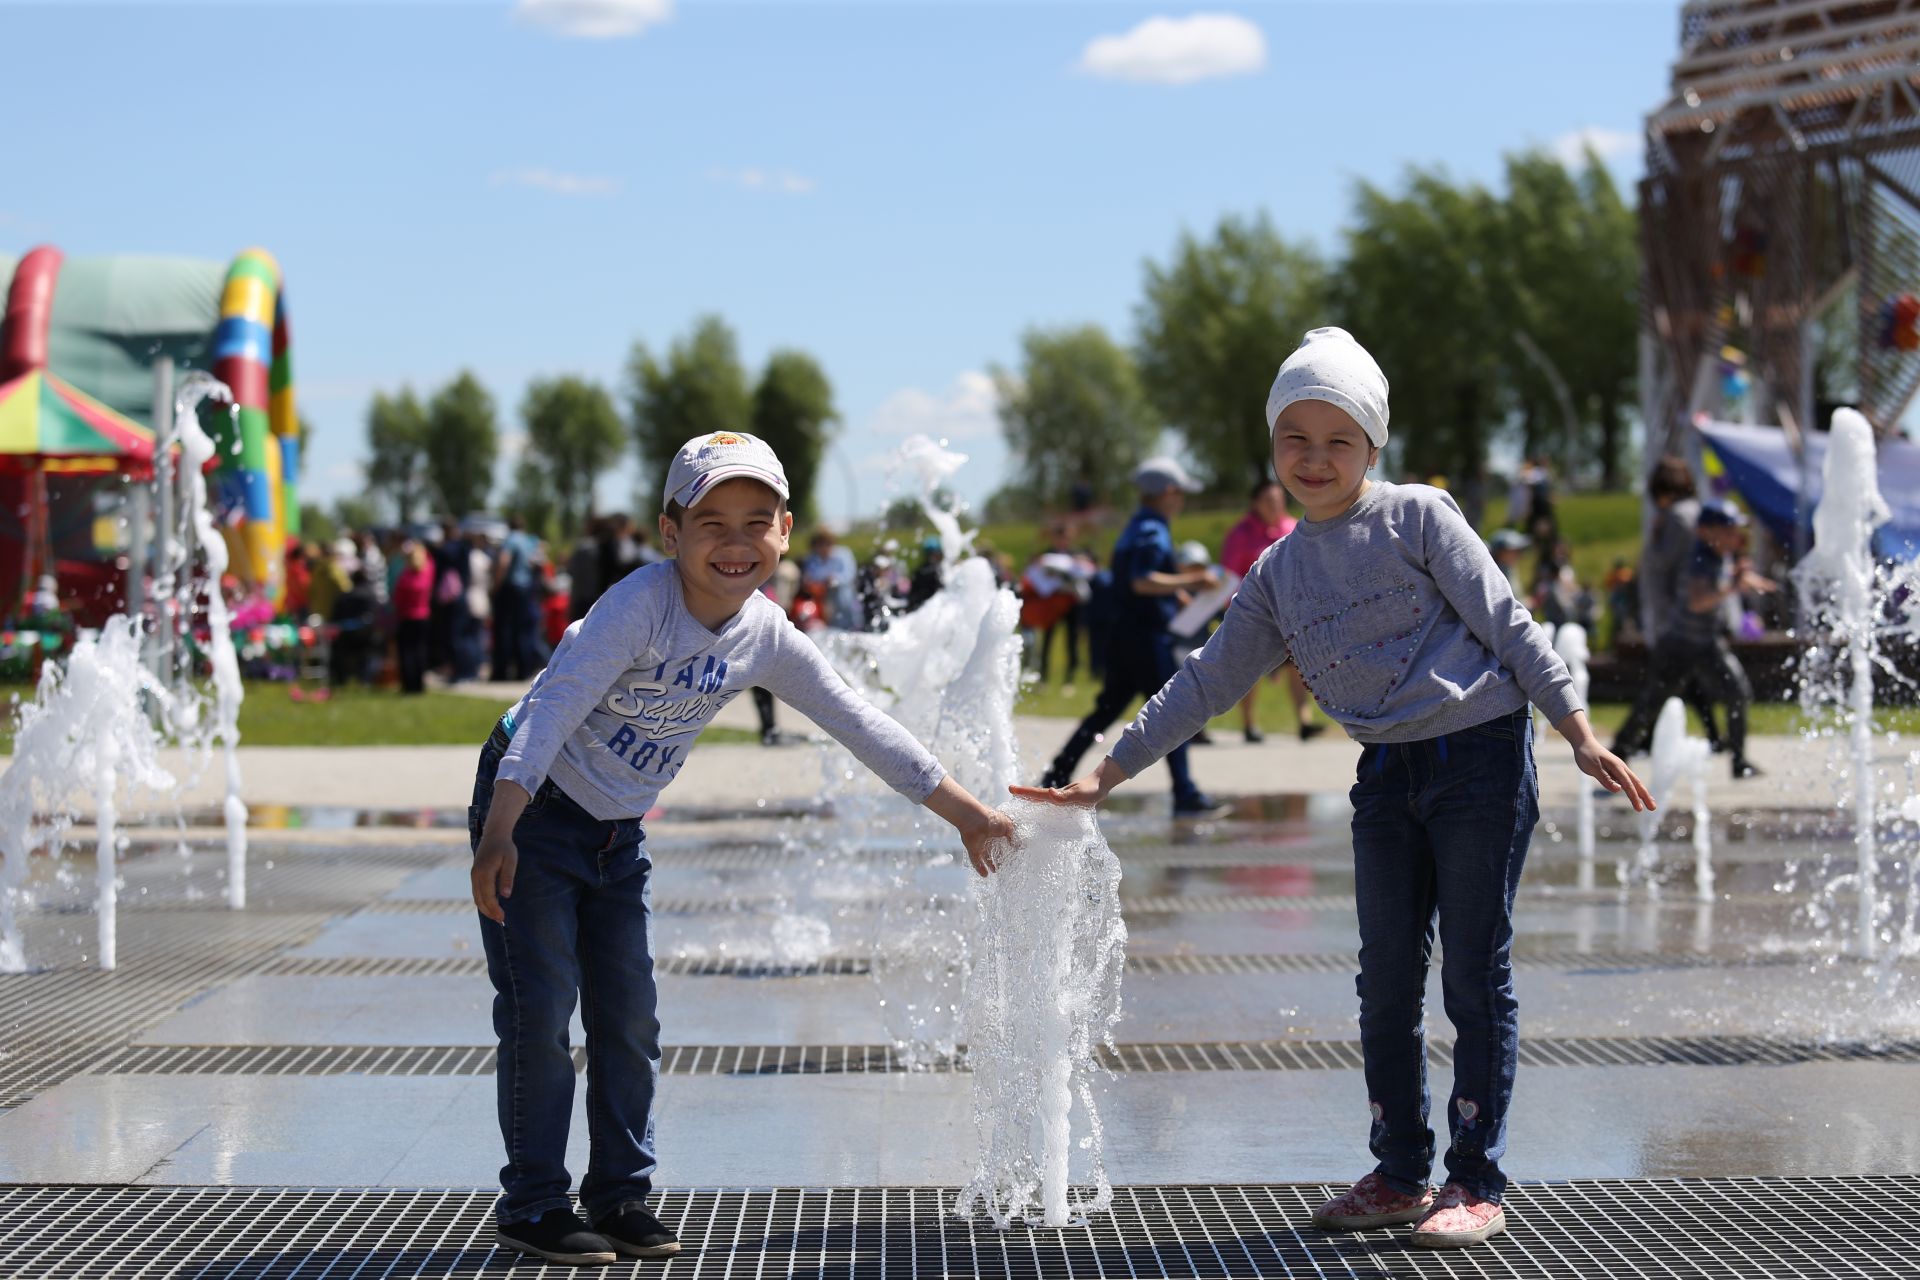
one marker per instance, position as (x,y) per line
(1417,292)
(701,387)
(353,513)
(1567,261)
(793,412)
(315,524)
(531,498)
(573,434)
(396,451)
(1214,325)
(1075,413)
(462,441)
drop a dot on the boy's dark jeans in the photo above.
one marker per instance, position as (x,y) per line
(1440,828)
(579,922)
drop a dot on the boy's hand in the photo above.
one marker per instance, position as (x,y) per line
(1612,773)
(987,841)
(494,863)
(985,832)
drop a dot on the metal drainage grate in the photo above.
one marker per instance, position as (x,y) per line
(1680,1229)
(867,1059)
(1149,965)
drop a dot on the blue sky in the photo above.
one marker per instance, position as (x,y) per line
(898,188)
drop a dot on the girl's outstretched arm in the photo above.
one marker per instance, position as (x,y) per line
(1087,792)
(1599,763)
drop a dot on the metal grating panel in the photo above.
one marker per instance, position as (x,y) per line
(867,1059)
(1678,1229)
(1561,959)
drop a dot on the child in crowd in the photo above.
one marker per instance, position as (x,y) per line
(1410,636)
(561,870)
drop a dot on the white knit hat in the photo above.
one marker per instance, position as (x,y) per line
(1329,365)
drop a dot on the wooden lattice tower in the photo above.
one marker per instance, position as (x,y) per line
(1783,172)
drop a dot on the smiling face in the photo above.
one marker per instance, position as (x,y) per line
(1321,455)
(727,547)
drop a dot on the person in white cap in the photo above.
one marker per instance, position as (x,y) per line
(565,779)
(1150,584)
(1409,636)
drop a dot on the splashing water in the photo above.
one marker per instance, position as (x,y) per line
(1044,996)
(1678,760)
(99,722)
(85,732)
(1570,642)
(948,672)
(1838,574)
(196,450)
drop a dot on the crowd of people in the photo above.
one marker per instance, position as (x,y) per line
(467,599)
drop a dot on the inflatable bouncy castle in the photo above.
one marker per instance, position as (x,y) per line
(95,327)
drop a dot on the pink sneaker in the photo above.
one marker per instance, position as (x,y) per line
(1459,1217)
(1370,1202)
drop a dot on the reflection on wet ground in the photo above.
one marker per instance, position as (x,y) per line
(1242,933)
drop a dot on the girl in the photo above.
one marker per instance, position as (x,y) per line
(1408,634)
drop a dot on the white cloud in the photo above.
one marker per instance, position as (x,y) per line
(1205,46)
(1609,144)
(966,410)
(563,184)
(594,19)
(783,181)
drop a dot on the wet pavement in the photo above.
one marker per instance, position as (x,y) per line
(334,1035)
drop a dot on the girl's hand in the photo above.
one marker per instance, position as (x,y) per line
(1085,793)
(1612,773)
(494,863)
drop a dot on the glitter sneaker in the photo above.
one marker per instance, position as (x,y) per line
(1370,1202)
(1458,1218)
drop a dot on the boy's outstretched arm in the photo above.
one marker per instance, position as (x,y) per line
(1086,792)
(985,832)
(1599,763)
(496,858)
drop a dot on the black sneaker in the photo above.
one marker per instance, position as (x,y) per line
(771,737)
(1255,736)
(1198,805)
(1200,739)
(558,1236)
(1311,730)
(1744,769)
(637,1233)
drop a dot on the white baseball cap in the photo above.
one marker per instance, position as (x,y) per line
(1157,475)
(704,461)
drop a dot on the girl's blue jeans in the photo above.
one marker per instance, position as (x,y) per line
(579,924)
(1440,833)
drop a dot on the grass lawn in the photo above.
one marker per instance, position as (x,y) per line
(1276,711)
(363,718)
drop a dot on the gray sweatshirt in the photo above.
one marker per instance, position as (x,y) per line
(633,683)
(1396,615)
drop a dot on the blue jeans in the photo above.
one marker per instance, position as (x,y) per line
(1440,829)
(579,922)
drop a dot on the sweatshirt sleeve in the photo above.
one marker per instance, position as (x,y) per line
(1465,572)
(1213,679)
(802,677)
(612,637)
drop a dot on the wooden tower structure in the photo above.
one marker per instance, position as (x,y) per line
(1783,176)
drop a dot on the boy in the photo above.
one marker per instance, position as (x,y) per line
(565,778)
(1693,646)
